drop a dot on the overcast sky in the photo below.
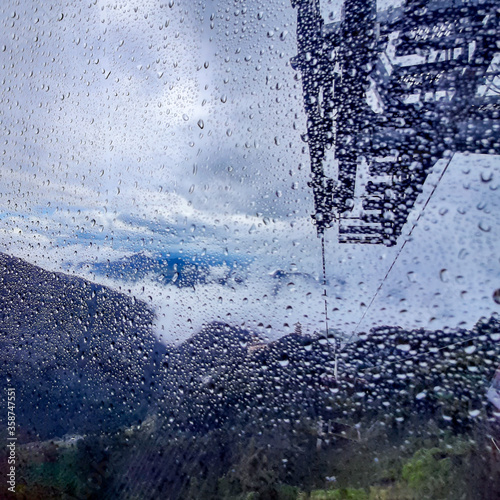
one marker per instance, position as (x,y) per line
(174,126)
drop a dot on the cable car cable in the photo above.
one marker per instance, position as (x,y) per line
(399,251)
(325,295)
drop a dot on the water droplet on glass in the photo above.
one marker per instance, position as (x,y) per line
(486,176)
(411,277)
(470,349)
(483,226)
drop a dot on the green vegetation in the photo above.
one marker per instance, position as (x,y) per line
(428,471)
(60,473)
(444,467)
(342,494)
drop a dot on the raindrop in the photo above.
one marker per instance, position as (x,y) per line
(486,228)
(404,347)
(470,349)
(486,177)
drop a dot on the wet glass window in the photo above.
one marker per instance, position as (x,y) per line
(250,249)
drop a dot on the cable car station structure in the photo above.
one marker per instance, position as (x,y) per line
(387,94)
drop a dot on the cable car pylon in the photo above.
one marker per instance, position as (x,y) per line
(388,94)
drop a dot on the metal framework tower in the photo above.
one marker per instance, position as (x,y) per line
(387,94)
